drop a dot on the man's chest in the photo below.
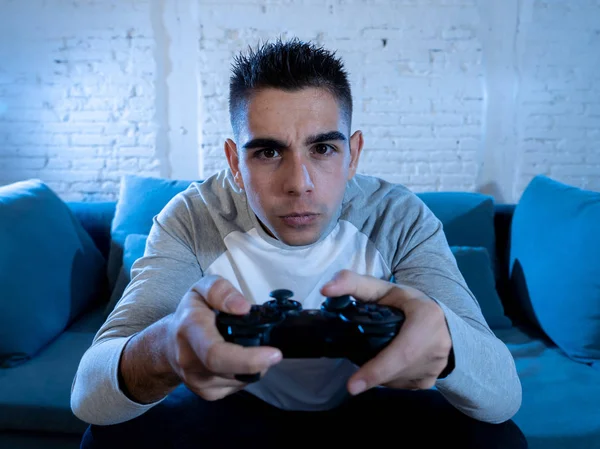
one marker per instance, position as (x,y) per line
(256,267)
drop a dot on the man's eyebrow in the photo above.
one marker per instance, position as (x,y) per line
(325,137)
(267,142)
(264,143)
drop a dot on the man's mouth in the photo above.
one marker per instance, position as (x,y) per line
(300,219)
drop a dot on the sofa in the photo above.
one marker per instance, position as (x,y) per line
(534,267)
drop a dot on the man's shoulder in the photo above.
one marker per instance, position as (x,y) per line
(369,195)
(389,214)
(214,202)
(217,191)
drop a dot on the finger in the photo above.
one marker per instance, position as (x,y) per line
(369,288)
(424,383)
(221,357)
(362,287)
(200,381)
(214,394)
(393,362)
(230,358)
(381,369)
(221,295)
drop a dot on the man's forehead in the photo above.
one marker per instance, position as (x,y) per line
(301,113)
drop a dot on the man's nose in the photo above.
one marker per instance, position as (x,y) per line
(297,179)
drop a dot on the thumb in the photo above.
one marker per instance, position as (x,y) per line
(361,287)
(220,294)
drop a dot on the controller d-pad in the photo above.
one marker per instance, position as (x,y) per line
(258,316)
(255,315)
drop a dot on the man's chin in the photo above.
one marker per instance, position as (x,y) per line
(299,241)
(299,237)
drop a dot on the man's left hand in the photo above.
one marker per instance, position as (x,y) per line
(418,354)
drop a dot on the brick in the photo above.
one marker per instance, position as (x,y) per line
(92,140)
(58,163)
(18,163)
(88,164)
(90,116)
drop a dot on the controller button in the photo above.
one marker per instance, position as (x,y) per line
(366,308)
(386,313)
(375,316)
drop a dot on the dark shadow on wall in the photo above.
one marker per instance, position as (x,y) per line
(492,189)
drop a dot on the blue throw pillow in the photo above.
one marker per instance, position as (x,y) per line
(555,264)
(475,265)
(468,219)
(50,270)
(140,199)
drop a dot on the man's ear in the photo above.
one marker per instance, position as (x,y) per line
(234,162)
(356,146)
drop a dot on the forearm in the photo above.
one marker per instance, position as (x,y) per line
(484,383)
(121,378)
(145,376)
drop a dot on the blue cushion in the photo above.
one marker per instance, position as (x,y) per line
(50,269)
(475,265)
(35,396)
(468,219)
(555,264)
(560,408)
(140,199)
(135,245)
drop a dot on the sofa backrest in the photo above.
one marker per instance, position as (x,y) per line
(503,214)
(96,218)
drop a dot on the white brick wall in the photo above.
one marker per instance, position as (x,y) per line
(559,99)
(450,94)
(414,67)
(77,94)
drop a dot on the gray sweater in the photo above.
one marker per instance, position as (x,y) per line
(383,230)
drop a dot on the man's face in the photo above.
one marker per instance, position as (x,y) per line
(293,158)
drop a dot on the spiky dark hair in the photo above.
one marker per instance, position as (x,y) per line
(290,66)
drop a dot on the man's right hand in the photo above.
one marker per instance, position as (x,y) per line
(197,352)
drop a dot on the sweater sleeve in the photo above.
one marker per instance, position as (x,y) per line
(159,280)
(483,383)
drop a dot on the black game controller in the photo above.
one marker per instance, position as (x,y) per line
(342,328)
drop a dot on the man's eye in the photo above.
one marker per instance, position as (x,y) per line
(267,153)
(323,149)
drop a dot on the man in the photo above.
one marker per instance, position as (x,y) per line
(291,212)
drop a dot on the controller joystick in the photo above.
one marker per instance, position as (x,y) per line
(282,301)
(342,328)
(335,304)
